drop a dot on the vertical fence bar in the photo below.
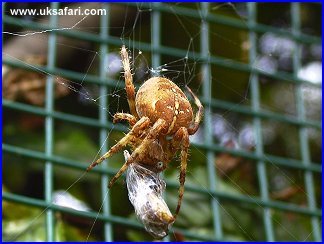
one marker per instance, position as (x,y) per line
(3,5)
(49,126)
(303,136)
(103,141)
(155,34)
(206,78)
(255,99)
(156,42)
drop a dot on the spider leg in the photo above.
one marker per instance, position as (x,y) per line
(137,130)
(180,140)
(140,152)
(194,127)
(130,89)
(123,116)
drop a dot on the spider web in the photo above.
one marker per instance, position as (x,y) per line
(230,129)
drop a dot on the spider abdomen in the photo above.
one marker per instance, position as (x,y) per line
(158,98)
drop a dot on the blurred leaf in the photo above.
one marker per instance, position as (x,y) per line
(21,211)
(138,236)
(75,144)
(25,229)
(196,210)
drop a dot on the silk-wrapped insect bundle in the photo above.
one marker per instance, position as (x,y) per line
(145,192)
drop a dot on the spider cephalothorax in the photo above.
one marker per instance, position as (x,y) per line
(161,121)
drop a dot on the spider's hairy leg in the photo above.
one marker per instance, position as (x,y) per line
(123,116)
(194,127)
(136,131)
(180,140)
(141,151)
(130,89)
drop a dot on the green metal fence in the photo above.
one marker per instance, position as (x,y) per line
(302,163)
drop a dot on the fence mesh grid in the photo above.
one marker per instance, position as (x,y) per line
(103,126)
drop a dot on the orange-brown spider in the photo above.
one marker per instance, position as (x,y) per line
(161,121)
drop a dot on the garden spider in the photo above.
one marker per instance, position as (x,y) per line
(161,121)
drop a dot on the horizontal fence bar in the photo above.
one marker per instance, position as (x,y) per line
(231,22)
(280,161)
(176,52)
(95,215)
(213,18)
(60,161)
(65,74)
(265,114)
